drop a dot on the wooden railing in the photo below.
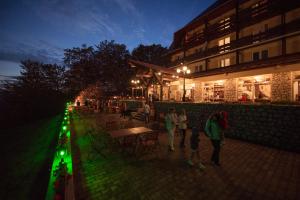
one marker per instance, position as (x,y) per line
(247,40)
(246,17)
(278,60)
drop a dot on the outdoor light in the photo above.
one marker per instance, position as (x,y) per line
(64,128)
(185,71)
(173,76)
(138,81)
(159,73)
(62,152)
(132,81)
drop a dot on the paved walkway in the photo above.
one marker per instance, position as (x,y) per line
(248,171)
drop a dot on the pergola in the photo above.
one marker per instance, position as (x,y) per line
(149,73)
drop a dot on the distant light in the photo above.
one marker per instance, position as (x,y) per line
(178,70)
(173,76)
(159,73)
(64,128)
(188,71)
(184,68)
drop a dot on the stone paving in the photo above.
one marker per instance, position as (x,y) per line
(248,171)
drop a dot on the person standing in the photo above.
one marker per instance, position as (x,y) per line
(147,113)
(171,121)
(182,120)
(213,130)
(195,148)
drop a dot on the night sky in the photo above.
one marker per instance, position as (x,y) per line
(41,29)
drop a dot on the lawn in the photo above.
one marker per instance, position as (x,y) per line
(26,157)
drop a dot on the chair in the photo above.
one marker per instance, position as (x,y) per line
(149,142)
(111,125)
(127,124)
(128,144)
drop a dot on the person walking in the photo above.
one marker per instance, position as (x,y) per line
(147,113)
(182,120)
(171,121)
(213,130)
(194,142)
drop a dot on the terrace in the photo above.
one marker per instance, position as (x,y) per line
(248,171)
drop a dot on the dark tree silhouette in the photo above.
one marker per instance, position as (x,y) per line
(106,64)
(38,92)
(149,53)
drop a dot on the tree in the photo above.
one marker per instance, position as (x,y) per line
(116,72)
(38,92)
(106,63)
(149,54)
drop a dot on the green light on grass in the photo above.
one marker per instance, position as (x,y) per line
(62,153)
(64,128)
(65,118)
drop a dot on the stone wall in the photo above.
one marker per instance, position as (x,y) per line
(230,90)
(133,104)
(281,86)
(272,125)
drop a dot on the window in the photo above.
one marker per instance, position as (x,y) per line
(223,42)
(225,24)
(266,27)
(202,68)
(255,56)
(264,54)
(258,8)
(225,62)
(197,69)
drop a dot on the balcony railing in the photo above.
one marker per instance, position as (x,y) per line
(246,17)
(278,60)
(247,40)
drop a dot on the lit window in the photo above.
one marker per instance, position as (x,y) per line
(225,23)
(227,40)
(223,42)
(225,62)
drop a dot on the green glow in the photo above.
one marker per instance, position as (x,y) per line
(62,153)
(68,134)
(65,153)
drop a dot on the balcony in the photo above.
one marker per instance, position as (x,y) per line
(248,40)
(263,11)
(221,28)
(195,38)
(279,60)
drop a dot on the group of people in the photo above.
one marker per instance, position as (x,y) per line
(215,126)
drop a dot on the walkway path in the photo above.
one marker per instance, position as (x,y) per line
(248,171)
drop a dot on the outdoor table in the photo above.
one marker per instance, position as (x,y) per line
(130,132)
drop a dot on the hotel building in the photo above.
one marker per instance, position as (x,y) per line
(236,50)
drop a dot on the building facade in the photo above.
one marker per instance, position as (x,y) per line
(238,50)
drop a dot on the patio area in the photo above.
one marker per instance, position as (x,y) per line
(248,171)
